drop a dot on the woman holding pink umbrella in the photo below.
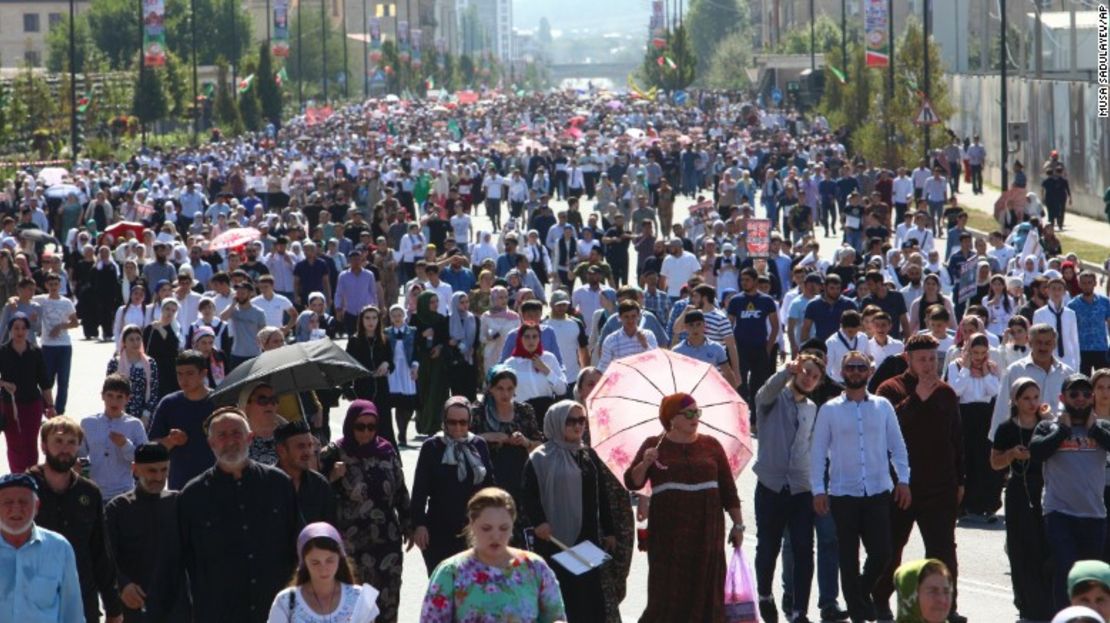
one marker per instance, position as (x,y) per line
(690,474)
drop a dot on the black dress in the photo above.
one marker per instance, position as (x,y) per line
(371,354)
(1030,568)
(105,283)
(582,594)
(439,498)
(162,346)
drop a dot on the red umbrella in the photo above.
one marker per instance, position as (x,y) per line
(118,230)
(234,238)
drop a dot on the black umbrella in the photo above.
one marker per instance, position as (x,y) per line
(320,364)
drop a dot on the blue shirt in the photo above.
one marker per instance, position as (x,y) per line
(460,280)
(861,440)
(38,581)
(1091,318)
(192,458)
(826,316)
(750,313)
(710,352)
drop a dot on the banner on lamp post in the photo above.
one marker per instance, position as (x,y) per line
(876,25)
(416,35)
(279,42)
(154,33)
(403,40)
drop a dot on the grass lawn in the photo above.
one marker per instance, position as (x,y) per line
(1087,251)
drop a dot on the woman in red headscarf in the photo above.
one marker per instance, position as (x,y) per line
(540,379)
(691,484)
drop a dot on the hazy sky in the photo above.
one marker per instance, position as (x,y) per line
(605,15)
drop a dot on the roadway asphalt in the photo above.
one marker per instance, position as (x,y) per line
(984,583)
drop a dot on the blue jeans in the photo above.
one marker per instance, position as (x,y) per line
(828,567)
(936,210)
(58,360)
(778,512)
(1070,539)
(854,238)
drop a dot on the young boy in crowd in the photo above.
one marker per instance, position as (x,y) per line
(1015,342)
(881,345)
(1089,585)
(844,341)
(111,438)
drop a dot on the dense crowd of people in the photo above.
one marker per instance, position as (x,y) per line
(919,376)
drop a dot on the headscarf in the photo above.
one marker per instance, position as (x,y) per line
(175,326)
(1073,282)
(672,405)
(303,333)
(425,313)
(463,327)
(495,375)
(558,474)
(518,346)
(907,578)
(378,448)
(319,530)
(461,453)
(124,367)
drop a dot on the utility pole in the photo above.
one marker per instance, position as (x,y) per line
(365,53)
(890,79)
(300,70)
(72,82)
(324,44)
(346,72)
(844,37)
(1005,155)
(926,28)
(234,51)
(142,68)
(269,19)
(196,92)
(812,38)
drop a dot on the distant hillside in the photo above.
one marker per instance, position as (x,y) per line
(564,15)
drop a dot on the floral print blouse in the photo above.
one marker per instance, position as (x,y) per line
(463,589)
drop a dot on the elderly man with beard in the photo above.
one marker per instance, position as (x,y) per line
(142,531)
(38,565)
(929,416)
(296,451)
(239,524)
(1073,450)
(72,506)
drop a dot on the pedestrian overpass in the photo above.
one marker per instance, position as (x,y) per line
(615,72)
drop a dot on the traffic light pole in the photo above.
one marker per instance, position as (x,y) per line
(196,91)
(926,27)
(1005,155)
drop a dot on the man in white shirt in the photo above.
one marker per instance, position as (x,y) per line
(678,267)
(935,194)
(881,345)
(1042,365)
(587,297)
(857,434)
(629,340)
(576,182)
(1060,317)
(921,232)
(460,227)
(274,305)
(188,302)
(901,193)
(919,175)
(1000,251)
(846,340)
(494,187)
(411,250)
(570,334)
(518,194)
(280,263)
(442,289)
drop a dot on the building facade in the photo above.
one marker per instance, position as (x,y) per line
(23,28)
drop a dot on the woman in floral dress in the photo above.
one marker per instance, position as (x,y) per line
(373,510)
(491,582)
(132,362)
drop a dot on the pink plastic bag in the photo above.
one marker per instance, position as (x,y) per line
(740,595)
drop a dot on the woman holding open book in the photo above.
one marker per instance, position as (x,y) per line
(566,501)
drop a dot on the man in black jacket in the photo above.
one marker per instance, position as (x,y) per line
(239,524)
(295,450)
(145,542)
(72,506)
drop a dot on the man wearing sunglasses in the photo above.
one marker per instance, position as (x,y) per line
(859,487)
(929,417)
(783,501)
(1073,449)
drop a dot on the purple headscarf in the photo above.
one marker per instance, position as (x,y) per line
(377,448)
(318,530)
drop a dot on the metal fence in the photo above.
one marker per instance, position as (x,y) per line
(1061,115)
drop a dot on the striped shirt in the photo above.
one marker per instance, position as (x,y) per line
(619,345)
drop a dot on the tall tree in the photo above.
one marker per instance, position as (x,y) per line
(114,25)
(227,113)
(57,44)
(709,22)
(312,55)
(150,96)
(729,58)
(673,66)
(269,94)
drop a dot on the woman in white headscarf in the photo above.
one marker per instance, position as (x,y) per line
(566,501)
(495,325)
(463,326)
(483,250)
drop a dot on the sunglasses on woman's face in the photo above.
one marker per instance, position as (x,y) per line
(576,421)
(364,427)
(691,414)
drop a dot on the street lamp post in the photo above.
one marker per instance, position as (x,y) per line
(844,36)
(324,44)
(890,80)
(346,72)
(72,82)
(365,53)
(812,38)
(232,7)
(1005,155)
(300,67)
(925,28)
(196,91)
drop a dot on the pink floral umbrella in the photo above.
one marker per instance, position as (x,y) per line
(233,238)
(624,407)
